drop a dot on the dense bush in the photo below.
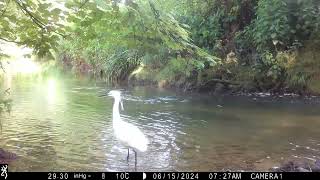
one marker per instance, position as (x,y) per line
(281,25)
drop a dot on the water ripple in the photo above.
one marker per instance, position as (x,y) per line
(73,131)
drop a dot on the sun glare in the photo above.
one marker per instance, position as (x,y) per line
(25,66)
(18,63)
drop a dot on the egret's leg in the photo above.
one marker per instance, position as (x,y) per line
(135,158)
(128,156)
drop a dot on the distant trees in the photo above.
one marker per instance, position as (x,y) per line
(257,42)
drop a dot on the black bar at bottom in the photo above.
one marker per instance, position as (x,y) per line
(162,175)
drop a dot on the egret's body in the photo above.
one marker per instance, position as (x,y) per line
(130,136)
(127,133)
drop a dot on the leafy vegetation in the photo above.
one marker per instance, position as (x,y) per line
(256,45)
(121,37)
(35,24)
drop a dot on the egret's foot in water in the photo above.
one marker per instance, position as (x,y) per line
(135,160)
(128,156)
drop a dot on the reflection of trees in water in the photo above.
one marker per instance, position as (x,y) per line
(5,105)
(5,101)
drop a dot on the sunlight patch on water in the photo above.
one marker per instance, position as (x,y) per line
(51,90)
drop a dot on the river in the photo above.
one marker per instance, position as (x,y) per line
(64,124)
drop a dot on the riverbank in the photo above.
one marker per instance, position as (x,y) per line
(217,87)
(293,72)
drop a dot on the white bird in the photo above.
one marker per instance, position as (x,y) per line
(127,133)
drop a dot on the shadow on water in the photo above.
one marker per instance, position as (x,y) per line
(65,124)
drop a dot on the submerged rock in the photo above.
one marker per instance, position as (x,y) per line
(6,156)
(318,163)
(293,166)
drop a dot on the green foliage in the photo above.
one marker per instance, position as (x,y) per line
(270,44)
(280,25)
(120,63)
(116,38)
(177,40)
(269,72)
(178,69)
(216,21)
(304,69)
(35,24)
(271,24)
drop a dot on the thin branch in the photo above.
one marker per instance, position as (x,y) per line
(7,91)
(63,35)
(81,6)
(28,13)
(221,81)
(7,40)
(33,18)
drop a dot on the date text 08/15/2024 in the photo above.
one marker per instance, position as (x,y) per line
(217,175)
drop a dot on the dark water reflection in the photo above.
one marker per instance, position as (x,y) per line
(65,125)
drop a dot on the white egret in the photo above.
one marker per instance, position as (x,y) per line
(127,133)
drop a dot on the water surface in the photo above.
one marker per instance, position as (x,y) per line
(64,124)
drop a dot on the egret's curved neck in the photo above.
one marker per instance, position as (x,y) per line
(116,114)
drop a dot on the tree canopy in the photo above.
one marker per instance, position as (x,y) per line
(185,41)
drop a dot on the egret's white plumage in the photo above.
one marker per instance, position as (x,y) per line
(130,135)
(127,133)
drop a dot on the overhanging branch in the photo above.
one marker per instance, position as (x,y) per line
(24,9)
(12,41)
(34,19)
(81,6)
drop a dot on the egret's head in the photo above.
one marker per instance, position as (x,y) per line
(115,93)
